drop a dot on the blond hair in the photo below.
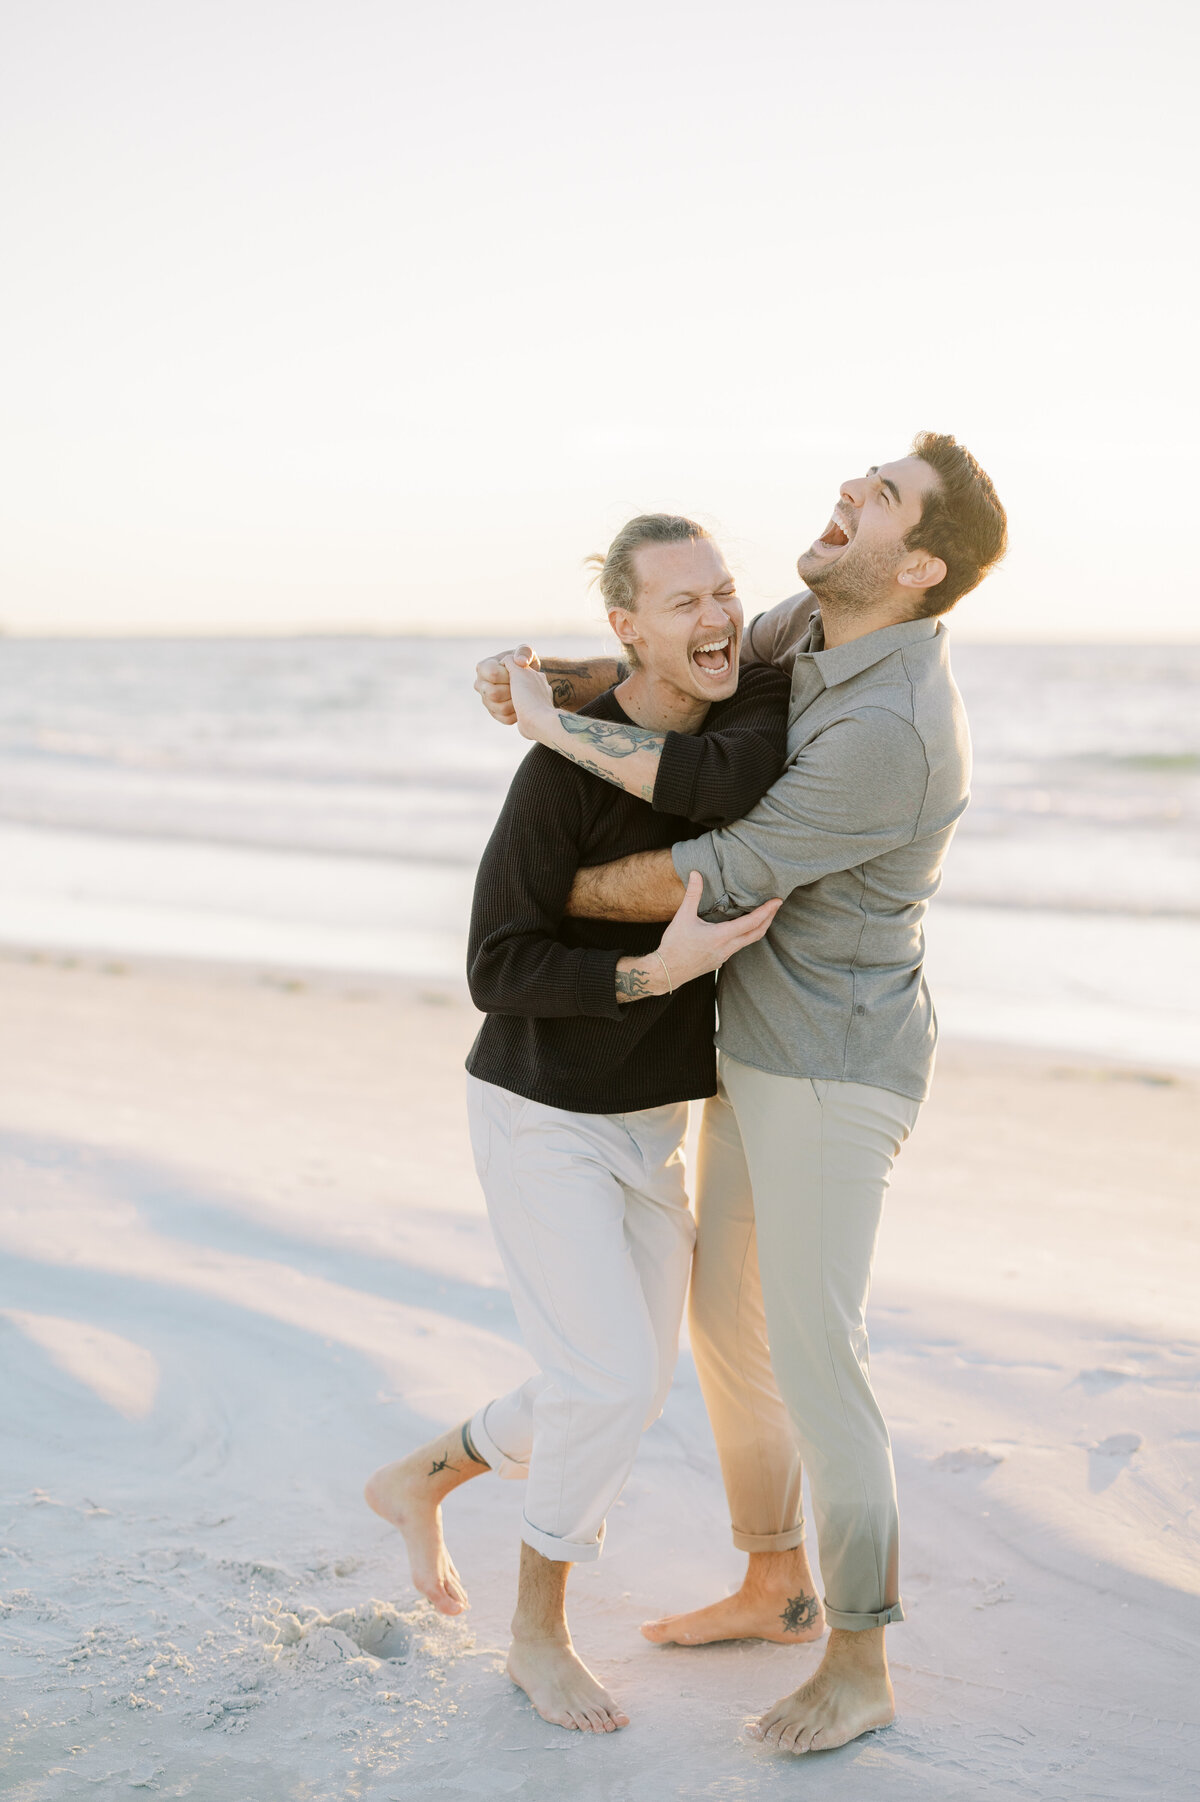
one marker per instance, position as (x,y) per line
(616,574)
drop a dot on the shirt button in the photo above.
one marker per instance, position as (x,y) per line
(860,1009)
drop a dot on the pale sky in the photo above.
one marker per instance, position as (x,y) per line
(341,314)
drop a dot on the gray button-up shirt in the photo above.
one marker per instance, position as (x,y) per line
(852,836)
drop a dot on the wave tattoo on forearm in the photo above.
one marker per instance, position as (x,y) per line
(613,737)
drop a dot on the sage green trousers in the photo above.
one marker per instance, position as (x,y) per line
(791,1183)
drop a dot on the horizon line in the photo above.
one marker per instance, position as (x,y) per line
(557,629)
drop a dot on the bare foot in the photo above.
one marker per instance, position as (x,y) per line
(561,1687)
(776,1601)
(409,1493)
(788,1620)
(850,1694)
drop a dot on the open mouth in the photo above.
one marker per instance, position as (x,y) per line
(714,659)
(834,537)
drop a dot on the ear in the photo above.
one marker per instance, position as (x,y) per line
(920,571)
(622,623)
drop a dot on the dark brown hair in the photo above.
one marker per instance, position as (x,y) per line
(962,521)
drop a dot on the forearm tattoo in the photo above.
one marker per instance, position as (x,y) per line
(574,682)
(597,769)
(614,737)
(614,740)
(632,985)
(800,1612)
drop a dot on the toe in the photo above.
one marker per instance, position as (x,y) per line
(787,1738)
(655,1630)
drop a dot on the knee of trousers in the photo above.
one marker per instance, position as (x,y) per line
(829,1366)
(618,1410)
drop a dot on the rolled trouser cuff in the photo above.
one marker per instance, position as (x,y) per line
(490,1452)
(562,1551)
(859,1623)
(786,1541)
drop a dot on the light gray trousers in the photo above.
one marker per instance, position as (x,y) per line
(791,1185)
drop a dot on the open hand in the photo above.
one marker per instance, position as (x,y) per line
(691,946)
(530,696)
(493,682)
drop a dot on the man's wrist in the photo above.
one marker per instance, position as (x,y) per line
(641,978)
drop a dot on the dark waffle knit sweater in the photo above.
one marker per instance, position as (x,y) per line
(555,1031)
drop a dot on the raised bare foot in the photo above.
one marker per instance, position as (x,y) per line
(561,1687)
(850,1694)
(777,1601)
(408,1493)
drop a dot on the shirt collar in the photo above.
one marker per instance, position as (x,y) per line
(847,660)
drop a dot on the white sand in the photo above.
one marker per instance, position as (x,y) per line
(246,1259)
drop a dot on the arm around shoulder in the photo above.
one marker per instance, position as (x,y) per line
(716,775)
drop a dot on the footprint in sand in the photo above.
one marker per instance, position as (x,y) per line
(969,1457)
(1104,1378)
(1107,1460)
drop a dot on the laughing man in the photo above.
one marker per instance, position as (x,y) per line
(826,1041)
(595,1038)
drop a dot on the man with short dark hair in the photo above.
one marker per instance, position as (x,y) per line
(826,1043)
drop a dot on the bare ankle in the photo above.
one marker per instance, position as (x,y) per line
(769,1573)
(863,1648)
(532,1631)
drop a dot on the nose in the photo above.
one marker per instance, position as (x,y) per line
(854,491)
(718,612)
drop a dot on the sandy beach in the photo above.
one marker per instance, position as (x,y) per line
(246,1259)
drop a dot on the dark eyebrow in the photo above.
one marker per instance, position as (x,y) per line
(887,482)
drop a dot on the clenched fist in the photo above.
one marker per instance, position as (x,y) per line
(493,684)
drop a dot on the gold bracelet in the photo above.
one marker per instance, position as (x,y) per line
(662,960)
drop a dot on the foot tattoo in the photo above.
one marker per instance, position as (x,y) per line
(799,1612)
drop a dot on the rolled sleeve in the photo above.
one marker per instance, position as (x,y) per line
(855,792)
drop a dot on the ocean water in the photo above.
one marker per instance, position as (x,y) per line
(323,801)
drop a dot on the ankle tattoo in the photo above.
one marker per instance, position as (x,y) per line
(800,1612)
